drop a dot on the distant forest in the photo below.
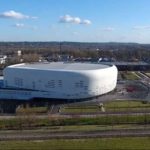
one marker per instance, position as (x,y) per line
(118,51)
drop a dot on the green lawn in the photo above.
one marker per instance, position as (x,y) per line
(129,75)
(91,108)
(28,121)
(148,73)
(80,109)
(126,103)
(31,110)
(79,144)
(74,128)
(32,123)
(113,106)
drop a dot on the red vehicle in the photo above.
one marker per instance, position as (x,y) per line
(130,89)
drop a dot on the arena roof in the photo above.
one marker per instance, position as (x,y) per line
(61,66)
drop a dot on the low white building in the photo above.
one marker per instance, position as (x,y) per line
(59,80)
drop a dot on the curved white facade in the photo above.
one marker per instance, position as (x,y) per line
(61,80)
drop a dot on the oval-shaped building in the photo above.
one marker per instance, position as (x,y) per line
(60,80)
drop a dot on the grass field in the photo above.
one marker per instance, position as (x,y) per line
(35,123)
(73,128)
(79,144)
(148,73)
(112,106)
(123,104)
(129,75)
(31,110)
(28,123)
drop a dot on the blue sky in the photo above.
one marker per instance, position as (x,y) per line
(75,20)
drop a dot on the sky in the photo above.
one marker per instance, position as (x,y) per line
(75,20)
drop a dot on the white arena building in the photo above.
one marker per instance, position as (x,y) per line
(57,80)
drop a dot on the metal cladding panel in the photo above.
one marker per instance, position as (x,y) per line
(63,84)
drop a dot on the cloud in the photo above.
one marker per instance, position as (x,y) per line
(74,20)
(15,15)
(19,25)
(141,27)
(86,21)
(109,29)
(23,26)
(77,20)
